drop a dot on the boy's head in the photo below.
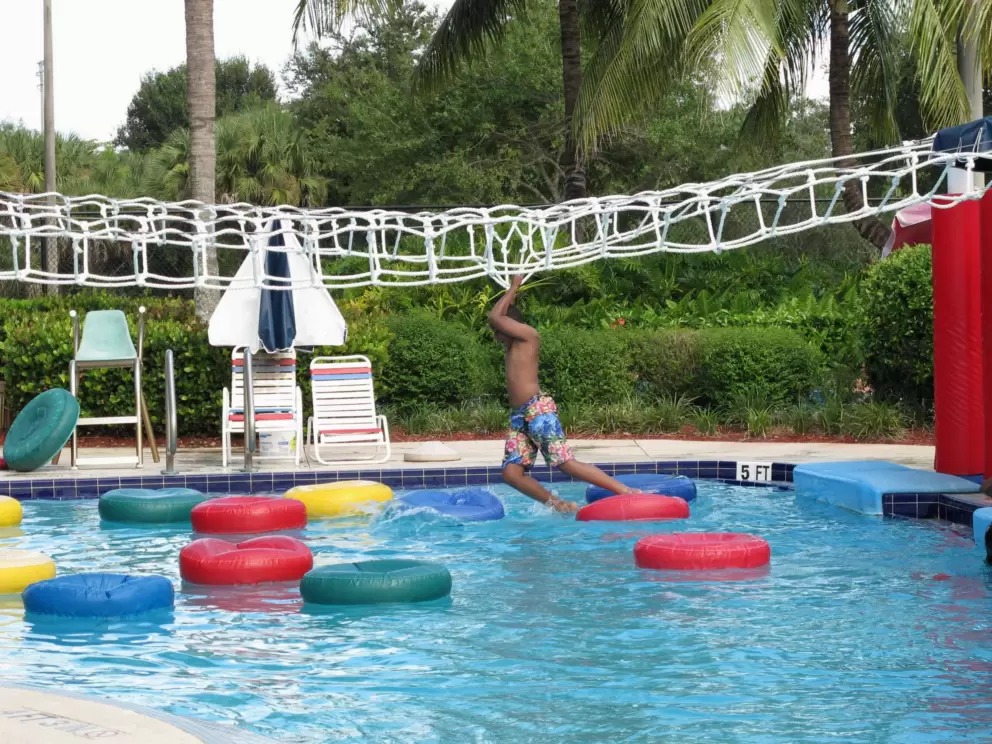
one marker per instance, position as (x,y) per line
(513,313)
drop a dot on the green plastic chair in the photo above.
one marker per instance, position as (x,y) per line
(106,344)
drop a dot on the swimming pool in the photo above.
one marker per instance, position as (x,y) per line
(865,630)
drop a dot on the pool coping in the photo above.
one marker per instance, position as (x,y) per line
(955,508)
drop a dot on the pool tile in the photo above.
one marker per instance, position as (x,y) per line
(456,477)
(153,482)
(66,489)
(689,468)
(727,470)
(197,483)
(261,483)
(107,484)
(174,481)
(709,471)
(282,482)
(5,487)
(370,475)
(342,475)
(778,471)
(304,478)
(392,480)
(624,468)
(43,489)
(21,490)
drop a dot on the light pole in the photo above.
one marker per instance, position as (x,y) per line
(51,255)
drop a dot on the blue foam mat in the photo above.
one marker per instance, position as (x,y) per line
(981,520)
(859,485)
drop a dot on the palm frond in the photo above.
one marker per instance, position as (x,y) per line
(321,17)
(934,27)
(469,27)
(874,46)
(640,53)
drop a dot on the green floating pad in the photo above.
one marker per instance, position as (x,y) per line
(144,506)
(376,582)
(106,337)
(40,430)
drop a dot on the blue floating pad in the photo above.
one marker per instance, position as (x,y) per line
(981,521)
(470,504)
(99,595)
(859,485)
(666,485)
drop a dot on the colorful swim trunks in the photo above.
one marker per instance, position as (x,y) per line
(535,427)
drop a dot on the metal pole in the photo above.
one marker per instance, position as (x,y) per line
(50,256)
(171,420)
(249,413)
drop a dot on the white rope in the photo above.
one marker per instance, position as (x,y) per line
(353,248)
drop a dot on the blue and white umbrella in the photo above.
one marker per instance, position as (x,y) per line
(277,319)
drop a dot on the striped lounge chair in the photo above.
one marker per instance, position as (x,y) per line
(277,397)
(344,416)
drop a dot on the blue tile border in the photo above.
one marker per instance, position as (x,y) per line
(244,483)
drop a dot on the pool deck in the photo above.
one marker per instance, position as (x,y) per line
(481,453)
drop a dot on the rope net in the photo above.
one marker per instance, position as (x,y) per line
(108,242)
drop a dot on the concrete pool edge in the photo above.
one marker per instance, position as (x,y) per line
(59,716)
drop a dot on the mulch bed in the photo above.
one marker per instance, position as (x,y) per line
(687,433)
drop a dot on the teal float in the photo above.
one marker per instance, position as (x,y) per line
(40,430)
(376,582)
(147,506)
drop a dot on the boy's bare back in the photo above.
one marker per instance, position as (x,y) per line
(521,370)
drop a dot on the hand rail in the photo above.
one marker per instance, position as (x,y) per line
(249,413)
(171,418)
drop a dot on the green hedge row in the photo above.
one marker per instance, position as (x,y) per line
(418,360)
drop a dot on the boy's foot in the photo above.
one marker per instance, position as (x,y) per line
(560,505)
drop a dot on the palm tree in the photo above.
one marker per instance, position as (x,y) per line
(769,47)
(467,30)
(201,94)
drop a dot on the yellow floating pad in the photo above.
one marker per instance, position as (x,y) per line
(11,512)
(341,499)
(21,568)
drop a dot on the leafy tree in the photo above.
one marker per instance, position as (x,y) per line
(263,157)
(160,107)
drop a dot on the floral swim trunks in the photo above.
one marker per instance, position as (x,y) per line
(535,427)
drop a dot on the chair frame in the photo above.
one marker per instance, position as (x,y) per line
(76,366)
(333,401)
(288,407)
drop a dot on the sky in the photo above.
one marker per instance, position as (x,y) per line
(103,47)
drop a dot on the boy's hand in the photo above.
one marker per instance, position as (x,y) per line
(517,280)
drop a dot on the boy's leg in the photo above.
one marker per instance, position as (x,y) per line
(593,476)
(519,456)
(516,476)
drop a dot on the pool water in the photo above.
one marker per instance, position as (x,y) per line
(864,630)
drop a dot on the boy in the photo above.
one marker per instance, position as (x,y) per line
(534,424)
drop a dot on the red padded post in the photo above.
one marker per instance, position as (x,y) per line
(957,339)
(986,302)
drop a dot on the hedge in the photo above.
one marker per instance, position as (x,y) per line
(895,306)
(418,359)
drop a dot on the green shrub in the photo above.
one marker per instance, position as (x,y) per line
(663,362)
(776,361)
(585,366)
(875,420)
(705,421)
(800,417)
(669,413)
(896,319)
(431,361)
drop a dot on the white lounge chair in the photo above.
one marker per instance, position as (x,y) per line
(277,398)
(344,415)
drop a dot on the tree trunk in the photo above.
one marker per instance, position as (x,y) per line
(571,64)
(201,97)
(871,229)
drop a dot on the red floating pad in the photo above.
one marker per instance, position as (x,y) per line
(702,550)
(247,515)
(637,507)
(259,560)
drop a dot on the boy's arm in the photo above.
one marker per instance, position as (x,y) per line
(499,320)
